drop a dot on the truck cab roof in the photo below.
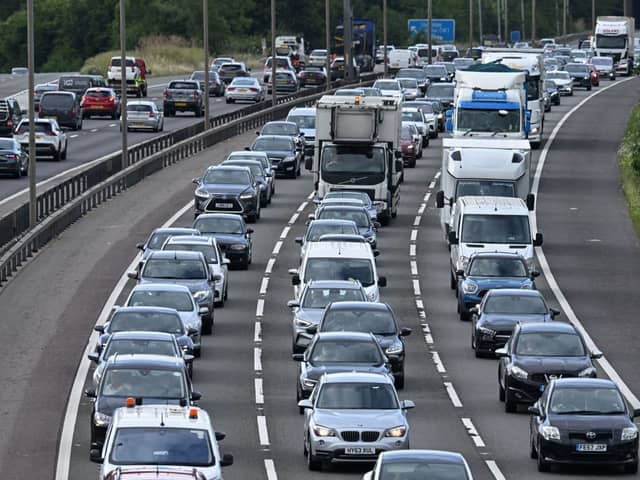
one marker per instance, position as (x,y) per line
(487,205)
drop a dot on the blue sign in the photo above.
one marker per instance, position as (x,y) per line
(443,30)
(515,36)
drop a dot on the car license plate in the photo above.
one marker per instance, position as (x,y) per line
(224,205)
(138,124)
(51,117)
(360,451)
(181,104)
(591,447)
(98,107)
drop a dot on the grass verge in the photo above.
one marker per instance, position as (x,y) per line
(629,159)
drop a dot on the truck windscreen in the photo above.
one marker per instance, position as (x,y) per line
(493,188)
(357,164)
(496,229)
(498,121)
(606,41)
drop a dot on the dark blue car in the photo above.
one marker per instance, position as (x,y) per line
(491,271)
(231,233)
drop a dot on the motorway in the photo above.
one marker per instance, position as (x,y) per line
(246,375)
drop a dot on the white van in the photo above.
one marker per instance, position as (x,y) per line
(489,224)
(402,58)
(339,261)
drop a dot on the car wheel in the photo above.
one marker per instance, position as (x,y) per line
(453,282)
(464,315)
(63,155)
(197,351)
(500,391)
(399,380)
(543,465)
(56,155)
(425,141)
(589,88)
(253,218)
(229,100)
(207,325)
(162,125)
(298,171)
(412,162)
(312,463)
(190,370)
(532,450)
(18,172)
(510,403)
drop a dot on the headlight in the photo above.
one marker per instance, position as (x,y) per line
(629,433)
(290,159)
(202,193)
(469,287)
(517,372)
(439,116)
(550,432)
(531,263)
(102,420)
(321,431)
(302,323)
(308,383)
(238,246)
(526,286)
(396,432)
(246,196)
(588,372)
(463,263)
(534,130)
(371,296)
(394,349)
(410,147)
(202,295)
(486,331)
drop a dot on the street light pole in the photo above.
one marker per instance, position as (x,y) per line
(533,21)
(522,36)
(123,87)
(499,19)
(33,207)
(274,96)
(593,15)
(564,18)
(506,21)
(327,33)
(347,30)
(470,23)
(430,32)
(480,22)
(205,47)
(385,60)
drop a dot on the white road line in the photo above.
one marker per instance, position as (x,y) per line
(432,185)
(414,267)
(422,207)
(277,247)
(257,332)
(302,206)
(437,175)
(473,433)
(260,307)
(262,431)
(93,130)
(412,250)
(419,304)
(544,264)
(311,195)
(259,392)
(428,339)
(112,125)
(416,288)
(75,135)
(73,403)
(414,235)
(493,466)
(285,232)
(264,285)
(270,265)
(416,221)
(453,395)
(293,218)
(426,197)
(257,359)
(271,469)
(438,361)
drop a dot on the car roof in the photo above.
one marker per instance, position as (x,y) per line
(287,137)
(192,240)
(251,153)
(330,221)
(230,168)
(558,327)
(280,122)
(343,208)
(140,102)
(161,287)
(342,284)
(353,336)
(231,216)
(506,292)
(357,377)
(145,309)
(370,306)
(165,416)
(242,162)
(441,456)
(339,250)
(302,111)
(495,205)
(144,360)
(580,382)
(509,255)
(143,335)
(175,255)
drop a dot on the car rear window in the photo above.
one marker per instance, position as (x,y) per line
(6,144)
(139,108)
(183,85)
(56,100)
(231,67)
(74,82)
(98,94)
(40,127)
(115,62)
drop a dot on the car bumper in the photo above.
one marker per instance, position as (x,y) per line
(181,106)
(88,111)
(490,343)
(240,207)
(566,453)
(9,167)
(329,449)
(284,168)
(248,97)
(524,391)
(235,256)
(135,124)
(44,149)
(565,90)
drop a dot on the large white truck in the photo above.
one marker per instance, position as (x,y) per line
(293,47)
(480,167)
(489,103)
(531,62)
(614,37)
(357,147)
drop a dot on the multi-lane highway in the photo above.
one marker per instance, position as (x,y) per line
(246,375)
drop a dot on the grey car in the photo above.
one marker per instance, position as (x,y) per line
(143,115)
(360,195)
(263,177)
(158,237)
(353,417)
(318,228)
(314,298)
(245,89)
(182,268)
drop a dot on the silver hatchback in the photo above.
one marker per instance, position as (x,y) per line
(142,114)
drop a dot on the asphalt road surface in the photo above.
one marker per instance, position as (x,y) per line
(246,374)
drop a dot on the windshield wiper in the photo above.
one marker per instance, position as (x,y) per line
(587,412)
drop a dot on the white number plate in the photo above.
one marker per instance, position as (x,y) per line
(591,447)
(224,205)
(360,451)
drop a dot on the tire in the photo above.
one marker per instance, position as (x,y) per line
(56,156)
(532,451)
(535,145)
(589,88)
(464,315)
(399,381)
(298,172)
(197,352)
(412,163)
(207,325)
(114,116)
(500,392)
(253,218)
(63,156)
(138,93)
(425,141)
(510,403)
(313,464)
(18,172)
(543,465)
(226,293)
(631,468)
(80,126)
(453,281)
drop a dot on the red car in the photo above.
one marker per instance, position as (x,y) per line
(100,101)
(595,76)
(410,143)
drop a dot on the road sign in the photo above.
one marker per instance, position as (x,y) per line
(444,29)
(515,36)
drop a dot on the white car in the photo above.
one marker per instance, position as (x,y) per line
(410,88)
(415,116)
(51,141)
(143,115)
(389,88)
(282,63)
(245,89)
(318,57)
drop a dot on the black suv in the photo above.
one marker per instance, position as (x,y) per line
(285,156)
(79,84)
(10,116)
(231,234)
(63,107)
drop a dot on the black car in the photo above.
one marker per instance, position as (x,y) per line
(262,177)
(416,73)
(284,128)
(228,71)
(437,74)
(149,379)
(377,318)
(216,86)
(333,352)
(581,74)
(10,116)
(13,159)
(228,189)
(495,319)
(231,233)
(38,90)
(63,107)
(552,93)
(79,84)
(537,353)
(312,75)
(284,153)
(442,92)
(158,237)
(583,421)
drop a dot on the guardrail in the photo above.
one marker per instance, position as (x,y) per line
(63,204)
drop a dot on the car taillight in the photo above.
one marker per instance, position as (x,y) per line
(165,94)
(73,110)
(50,133)
(195,94)
(231,89)
(11,156)
(152,115)
(10,123)
(253,89)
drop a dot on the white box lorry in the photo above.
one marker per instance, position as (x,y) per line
(476,167)
(357,147)
(614,37)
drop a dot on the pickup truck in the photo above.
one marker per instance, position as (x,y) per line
(136,73)
(183,96)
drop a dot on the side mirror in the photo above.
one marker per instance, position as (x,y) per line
(474,309)
(501,352)
(94,357)
(460,273)
(368,476)
(534,274)
(397,154)
(216,277)
(148,72)
(226,261)
(95,455)
(312,329)
(405,331)
(257,133)
(533,410)
(399,165)
(298,240)
(537,242)
(227,460)
(248,149)
(308,163)
(298,357)
(295,280)
(220,436)
(90,393)
(249,230)
(140,246)
(311,216)
(99,328)
(453,239)
(377,225)
(382,281)
(203,311)
(188,358)
(440,199)
(132,275)
(192,331)
(195,181)
(293,304)
(376,253)
(635,413)
(195,396)
(407,405)
(305,404)
(596,355)
(554,312)
(531,202)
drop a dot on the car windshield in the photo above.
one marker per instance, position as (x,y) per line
(139,346)
(378,322)
(549,344)
(474,188)
(219,225)
(435,70)
(134,382)
(424,107)
(360,217)
(346,351)
(157,239)
(366,200)
(183,86)
(490,120)
(407,133)
(440,91)
(280,63)
(56,100)
(40,127)
(273,144)
(244,82)
(340,269)
(146,322)
(316,230)
(581,401)
(174,268)
(558,76)
(279,129)
(318,53)
(347,92)
(387,85)
(512,229)
(321,297)
(115,62)
(303,121)
(208,251)
(181,301)
(602,61)
(256,170)
(217,176)
(422,469)
(139,107)
(497,267)
(357,396)
(408,83)
(515,304)
(577,69)
(162,446)
(415,73)
(8,144)
(98,93)
(408,116)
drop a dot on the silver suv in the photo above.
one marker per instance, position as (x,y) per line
(353,417)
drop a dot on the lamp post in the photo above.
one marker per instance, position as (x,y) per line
(327,33)
(123,87)
(470,23)
(274,96)
(33,207)
(205,47)
(385,59)
(430,32)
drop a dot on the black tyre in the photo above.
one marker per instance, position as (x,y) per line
(500,392)
(313,464)
(63,155)
(453,282)
(18,172)
(207,325)
(253,218)
(399,381)
(543,465)
(510,403)
(56,155)
(197,351)
(532,450)
(589,88)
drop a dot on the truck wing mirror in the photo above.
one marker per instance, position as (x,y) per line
(453,239)
(440,199)
(308,163)
(531,202)
(537,242)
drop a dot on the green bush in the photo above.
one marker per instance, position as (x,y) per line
(629,159)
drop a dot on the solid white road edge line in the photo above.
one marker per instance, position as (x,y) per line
(553,284)
(63,461)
